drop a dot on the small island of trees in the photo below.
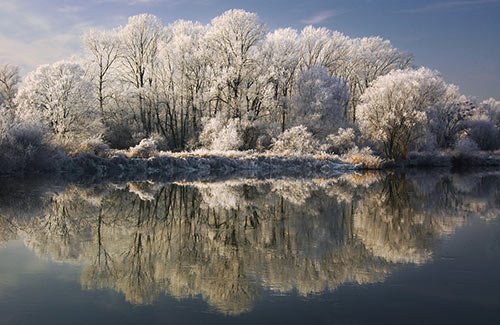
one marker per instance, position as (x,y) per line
(233,88)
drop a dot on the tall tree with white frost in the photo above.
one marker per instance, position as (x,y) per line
(490,109)
(104,50)
(320,101)
(233,40)
(323,47)
(140,40)
(183,83)
(446,119)
(394,108)
(9,80)
(281,51)
(60,97)
(370,58)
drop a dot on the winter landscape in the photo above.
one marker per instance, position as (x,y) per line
(235,89)
(233,170)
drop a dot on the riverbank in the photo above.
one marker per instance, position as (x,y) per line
(202,164)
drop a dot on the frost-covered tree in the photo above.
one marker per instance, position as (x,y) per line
(370,58)
(183,83)
(233,40)
(484,133)
(61,97)
(140,40)
(394,108)
(482,125)
(9,80)
(247,85)
(447,118)
(281,50)
(320,101)
(323,47)
(489,109)
(103,48)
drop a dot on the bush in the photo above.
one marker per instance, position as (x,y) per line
(221,136)
(363,157)
(296,140)
(119,136)
(94,146)
(26,148)
(264,142)
(160,141)
(342,141)
(250,136)
(145,149)
(466,145)
(485,134)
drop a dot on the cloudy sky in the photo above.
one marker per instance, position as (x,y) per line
(460,38)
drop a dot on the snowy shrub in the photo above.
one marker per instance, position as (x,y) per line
(210,129)
(429,159)
(26,148)
(228,137)
(94,146)
(119,136)
(341,142)
(484,133)
(363,157)
(297,140)
(249,137)
(217,135)
(264,142)
(466,145)
(145,149)
(160,141)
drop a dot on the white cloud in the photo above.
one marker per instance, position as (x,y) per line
(321,17)
(28,38)
(28,55)
(448,5)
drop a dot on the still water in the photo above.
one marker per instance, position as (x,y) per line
(361,248)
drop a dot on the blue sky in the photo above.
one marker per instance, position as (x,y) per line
(460,38)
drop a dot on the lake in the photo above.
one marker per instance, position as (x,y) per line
(388,247)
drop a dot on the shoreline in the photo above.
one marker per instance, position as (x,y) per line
(216,165)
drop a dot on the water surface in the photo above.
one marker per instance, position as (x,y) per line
(360,248)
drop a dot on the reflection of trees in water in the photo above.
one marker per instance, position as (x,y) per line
(7,230)
(229,241)
(393,224)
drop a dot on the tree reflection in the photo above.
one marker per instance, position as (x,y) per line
(230,241)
